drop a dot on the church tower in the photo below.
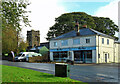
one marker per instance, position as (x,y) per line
(33,38)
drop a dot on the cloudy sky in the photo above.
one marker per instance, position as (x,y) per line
(44,12)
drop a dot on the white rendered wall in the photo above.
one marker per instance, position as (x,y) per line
(51,56)
(71,45)
(93,56)
(103,49)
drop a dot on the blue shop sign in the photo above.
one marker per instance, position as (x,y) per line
(72,49)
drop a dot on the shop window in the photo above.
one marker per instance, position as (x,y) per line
(60,54)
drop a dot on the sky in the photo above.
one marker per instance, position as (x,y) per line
(44,12)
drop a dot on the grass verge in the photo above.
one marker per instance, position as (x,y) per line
(16,74)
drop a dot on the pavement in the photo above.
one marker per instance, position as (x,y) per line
(91,73)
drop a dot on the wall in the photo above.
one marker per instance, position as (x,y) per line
(119,53)
(96,41)
(70,42)
(71,45)
(116,52)
(103,49)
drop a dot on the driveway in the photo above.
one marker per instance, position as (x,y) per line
(82,72)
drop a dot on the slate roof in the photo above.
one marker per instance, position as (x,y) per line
(117,42)
(83,32)
(36,48)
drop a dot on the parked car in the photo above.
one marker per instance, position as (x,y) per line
(23,56)
(36,54)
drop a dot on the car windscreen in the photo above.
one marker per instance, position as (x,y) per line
(19,55)
(23,55)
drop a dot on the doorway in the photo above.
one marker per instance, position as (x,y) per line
(105,58)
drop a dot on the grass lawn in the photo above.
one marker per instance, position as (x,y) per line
(16,74)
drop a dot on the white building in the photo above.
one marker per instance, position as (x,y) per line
(84,45)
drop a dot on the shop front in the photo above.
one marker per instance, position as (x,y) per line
(83,56)
(60,56)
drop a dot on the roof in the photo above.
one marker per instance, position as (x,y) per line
(46,44)
(34,48)
(117,42)
(83,32)
(38,47)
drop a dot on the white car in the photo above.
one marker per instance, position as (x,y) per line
(23,56)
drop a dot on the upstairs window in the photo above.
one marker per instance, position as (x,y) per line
(76,41)
(87,40)
(108,41)
(55,44)
(64,42)
(102,40)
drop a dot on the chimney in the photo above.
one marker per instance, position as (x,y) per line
(84,26)
(77,28)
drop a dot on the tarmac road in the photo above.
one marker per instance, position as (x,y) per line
(83,72)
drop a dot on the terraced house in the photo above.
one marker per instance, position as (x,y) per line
(84,45)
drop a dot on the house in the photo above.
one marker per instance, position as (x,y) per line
(42,50)
(46,44)
(83,45)
(117,52)
(39,49)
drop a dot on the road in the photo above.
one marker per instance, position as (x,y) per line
(82,72)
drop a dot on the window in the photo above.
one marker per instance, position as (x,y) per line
(108,41)
(64,42)
(23,55)
(55,44)
(98,55)
(102,40)
(60,55)
(87,40)
(76,41)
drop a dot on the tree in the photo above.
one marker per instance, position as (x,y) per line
(13,13)
(22,46)
(66,23)
(9,40)
(105,25)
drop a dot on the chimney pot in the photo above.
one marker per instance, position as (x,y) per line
(84,26)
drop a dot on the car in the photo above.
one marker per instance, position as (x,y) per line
(23,56)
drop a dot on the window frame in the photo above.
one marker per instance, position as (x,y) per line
(63,43)
(87,40)
(55,44)
(76,43)
(108,41)
(102,40)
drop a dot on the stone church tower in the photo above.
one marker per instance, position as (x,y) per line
(33,38)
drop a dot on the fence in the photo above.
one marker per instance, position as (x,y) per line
(39,59)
